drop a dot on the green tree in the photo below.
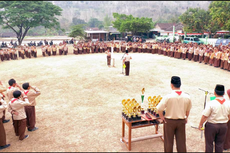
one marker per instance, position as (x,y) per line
(195,20)
(94,22)
(220,13)
(77,31)
(77,21)
(128,23)
(107,22)
(20,16)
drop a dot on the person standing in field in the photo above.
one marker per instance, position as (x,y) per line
(227,138)
(177,106)
(30,110)
(126,61)
(3,107)
(217,114)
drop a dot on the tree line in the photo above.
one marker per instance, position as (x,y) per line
(23,17)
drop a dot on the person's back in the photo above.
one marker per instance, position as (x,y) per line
(177,102)
(217,114)
(177,106)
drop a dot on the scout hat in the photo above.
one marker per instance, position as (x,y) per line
(219,89)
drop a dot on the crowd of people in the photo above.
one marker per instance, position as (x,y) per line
(21,99)
(21,104)
(31,51)
(207,54)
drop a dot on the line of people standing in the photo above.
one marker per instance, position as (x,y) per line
(21,106)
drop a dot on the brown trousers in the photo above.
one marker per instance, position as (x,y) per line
(108,60)
(184,56)
(3,117)
(201,58)
(20,128)
(190,56)
(127,68)
(2,135)
(177,128)
(215,133)
(227,139)
(31,118)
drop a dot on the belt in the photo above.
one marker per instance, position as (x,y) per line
(175,119)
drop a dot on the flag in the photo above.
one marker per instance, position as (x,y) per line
(124,66)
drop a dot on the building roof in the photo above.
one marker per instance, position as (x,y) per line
(8,34)
(164,26)
(178,26)
(96,31)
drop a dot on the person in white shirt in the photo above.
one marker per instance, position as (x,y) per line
(217,114)
(126,61)
(19,119)
(227,138)
(3,107)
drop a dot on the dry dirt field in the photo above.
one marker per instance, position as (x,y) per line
(80,105)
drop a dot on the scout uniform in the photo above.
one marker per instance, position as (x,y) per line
(19,121)
(54,50)
(201,55)
(177,106)
(49,50)
(211,60)
(3,107)
(65,49)
(30,110)
(226,61)
(35,52)
(126,60)
(216,113)
(196,54)
(227,138)
(217,59)
(190,53)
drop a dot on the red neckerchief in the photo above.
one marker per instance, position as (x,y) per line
(9,87)
(12,101)
(178,92)
(221,101)
(26,92)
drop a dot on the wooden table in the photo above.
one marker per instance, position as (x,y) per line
(144,122)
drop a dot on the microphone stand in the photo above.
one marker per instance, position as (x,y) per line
(206,93)
(122,64)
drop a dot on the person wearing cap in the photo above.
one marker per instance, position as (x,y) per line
(19,118)
(227,138)
(3,107)
(217,114)
(30,110)
(126,60)
(177,106)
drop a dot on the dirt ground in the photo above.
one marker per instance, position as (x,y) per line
(80,105)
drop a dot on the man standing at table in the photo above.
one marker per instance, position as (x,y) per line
(177,106)
(217,114)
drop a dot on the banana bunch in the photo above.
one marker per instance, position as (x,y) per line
(153,102)
(131,107)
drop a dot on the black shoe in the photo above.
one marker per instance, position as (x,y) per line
(35,128)
(3,147)
(26,136)
(5,121)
